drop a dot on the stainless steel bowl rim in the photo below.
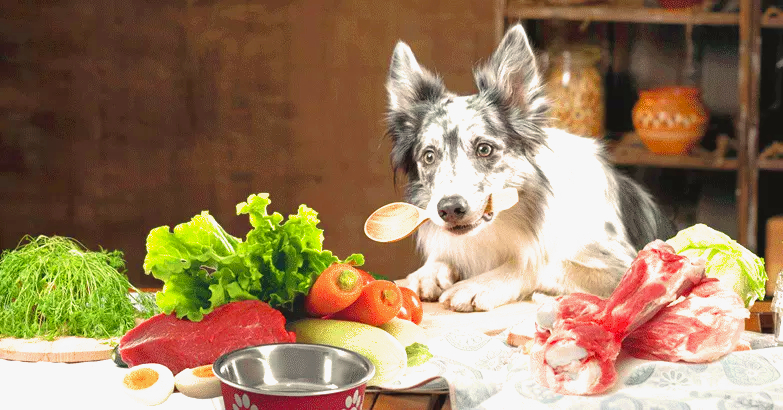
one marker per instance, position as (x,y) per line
(219,362)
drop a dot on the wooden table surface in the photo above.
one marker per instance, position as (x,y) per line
(396,401)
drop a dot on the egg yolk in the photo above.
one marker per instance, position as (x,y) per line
(203,371)
(140,378)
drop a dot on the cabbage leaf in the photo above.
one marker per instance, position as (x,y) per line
(727,260)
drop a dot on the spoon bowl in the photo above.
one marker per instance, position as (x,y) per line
(398,220)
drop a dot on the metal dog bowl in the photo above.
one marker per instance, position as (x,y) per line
(293,376)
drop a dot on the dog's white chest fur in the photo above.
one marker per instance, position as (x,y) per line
(525,259)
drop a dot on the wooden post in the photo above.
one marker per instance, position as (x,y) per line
(748,124)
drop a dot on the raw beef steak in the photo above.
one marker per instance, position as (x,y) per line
(180,343)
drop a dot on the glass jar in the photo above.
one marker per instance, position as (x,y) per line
(575,87)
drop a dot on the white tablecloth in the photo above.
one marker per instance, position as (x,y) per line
(483,372)
(88,385)
(479,371)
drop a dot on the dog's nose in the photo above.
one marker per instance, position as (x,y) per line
(452,208)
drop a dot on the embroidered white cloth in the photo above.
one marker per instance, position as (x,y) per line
(483,372)
(478,371)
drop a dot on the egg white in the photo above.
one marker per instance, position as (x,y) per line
(190,384)
(156,393)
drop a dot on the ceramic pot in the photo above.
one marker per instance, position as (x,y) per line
(670,120)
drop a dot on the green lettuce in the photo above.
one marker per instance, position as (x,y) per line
(727,260)
(203,267)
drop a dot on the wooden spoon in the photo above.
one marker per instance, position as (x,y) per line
(398,220)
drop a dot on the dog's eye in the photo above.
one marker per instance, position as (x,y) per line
(429,157)
(484,150)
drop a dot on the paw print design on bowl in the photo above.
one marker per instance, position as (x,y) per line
(353,402)
(242,402)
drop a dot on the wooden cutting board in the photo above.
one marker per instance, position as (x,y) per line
(438,321)
(66,349)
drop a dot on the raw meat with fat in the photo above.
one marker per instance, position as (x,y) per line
(579,335)
(702,327)
(181,344)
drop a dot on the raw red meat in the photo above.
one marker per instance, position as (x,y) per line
(180,344)
(703,327)
(580,335)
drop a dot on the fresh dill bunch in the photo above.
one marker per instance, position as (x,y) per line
(54,286)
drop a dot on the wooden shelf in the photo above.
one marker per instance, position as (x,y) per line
(772,18)
(774,22)
(631,151)
(771,164)
(621,14)
(771,158)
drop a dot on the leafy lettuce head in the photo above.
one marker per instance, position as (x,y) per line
(727,260)
(202,266)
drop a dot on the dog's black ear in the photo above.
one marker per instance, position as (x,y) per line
(411,90)
(408,83)
(512,73)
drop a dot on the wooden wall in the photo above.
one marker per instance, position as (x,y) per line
(120,116)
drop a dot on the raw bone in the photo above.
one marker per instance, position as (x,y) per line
(579,335)
(703,327)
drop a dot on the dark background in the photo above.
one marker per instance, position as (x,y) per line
(120,116)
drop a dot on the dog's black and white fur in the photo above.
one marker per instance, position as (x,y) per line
(578,223)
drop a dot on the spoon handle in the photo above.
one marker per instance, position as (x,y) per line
(503,199)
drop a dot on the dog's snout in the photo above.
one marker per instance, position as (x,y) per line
(452,208)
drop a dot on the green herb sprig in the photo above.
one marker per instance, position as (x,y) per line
(53,286)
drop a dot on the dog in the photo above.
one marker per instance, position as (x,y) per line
(578,223)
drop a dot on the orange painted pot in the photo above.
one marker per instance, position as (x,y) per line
(670,120)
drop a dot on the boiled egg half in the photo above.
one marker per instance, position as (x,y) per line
(149,384)
(199,382)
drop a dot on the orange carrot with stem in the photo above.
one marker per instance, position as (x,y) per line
(379,302)
(336,288)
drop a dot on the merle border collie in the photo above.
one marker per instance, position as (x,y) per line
(578,223)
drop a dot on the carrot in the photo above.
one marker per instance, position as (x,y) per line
(379,302)
(337,287)
(366,277)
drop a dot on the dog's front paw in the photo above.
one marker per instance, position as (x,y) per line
(431,280)
(472,295)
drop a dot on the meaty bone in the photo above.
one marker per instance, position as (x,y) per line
(579,336)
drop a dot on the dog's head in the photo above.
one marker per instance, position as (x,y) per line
(456,150)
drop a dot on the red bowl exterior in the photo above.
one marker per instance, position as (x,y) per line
(236,399)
